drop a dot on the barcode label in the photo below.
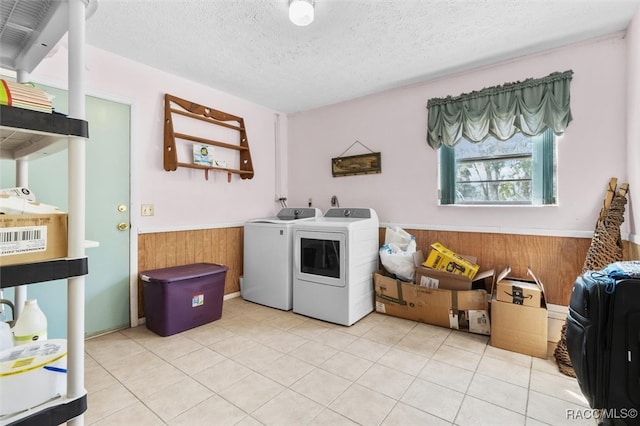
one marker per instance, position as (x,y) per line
(24,239)
(11,236)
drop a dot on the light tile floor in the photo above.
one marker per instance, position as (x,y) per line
(258,365)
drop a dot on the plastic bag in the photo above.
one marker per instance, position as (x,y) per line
(397,252)
(614,272)
(623,270)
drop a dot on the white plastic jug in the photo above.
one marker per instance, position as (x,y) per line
(31,325)
(6,339)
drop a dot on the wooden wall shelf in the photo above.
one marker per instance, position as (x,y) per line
(177,106)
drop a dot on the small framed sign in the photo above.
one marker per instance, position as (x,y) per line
(356,165)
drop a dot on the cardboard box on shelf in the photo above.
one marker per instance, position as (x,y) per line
(434,278)
(28,238)
(461,310)
(519,328)
(443,259)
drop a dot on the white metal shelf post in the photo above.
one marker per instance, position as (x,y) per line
(22,179)
(77,187)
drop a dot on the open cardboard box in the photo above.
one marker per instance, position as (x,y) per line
(433,278)
(519,292)
(518,327)
(466,310)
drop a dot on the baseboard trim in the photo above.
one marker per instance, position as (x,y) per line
(556,316)
(231,295)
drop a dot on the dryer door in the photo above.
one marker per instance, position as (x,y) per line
(320,257)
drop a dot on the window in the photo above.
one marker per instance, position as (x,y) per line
(518,171)
(497,145)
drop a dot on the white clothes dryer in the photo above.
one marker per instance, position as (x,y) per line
(334,258)
(268,254)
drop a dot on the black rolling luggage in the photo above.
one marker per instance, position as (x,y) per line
(603,340)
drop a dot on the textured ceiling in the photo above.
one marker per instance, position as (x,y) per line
(249,48)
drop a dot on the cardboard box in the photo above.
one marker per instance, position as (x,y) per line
(519,292)
(443,259)
(461,310)
(519,328)
(434,278)
(28,238)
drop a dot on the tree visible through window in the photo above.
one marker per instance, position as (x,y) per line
(520,170)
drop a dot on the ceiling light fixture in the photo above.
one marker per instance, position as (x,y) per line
(301,12)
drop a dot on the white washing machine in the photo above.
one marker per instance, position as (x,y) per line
(334,258)
(268,254)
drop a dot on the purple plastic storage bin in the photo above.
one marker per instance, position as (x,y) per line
(183,297)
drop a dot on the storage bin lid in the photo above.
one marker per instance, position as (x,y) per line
(184,272)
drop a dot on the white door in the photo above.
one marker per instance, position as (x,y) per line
(107,206)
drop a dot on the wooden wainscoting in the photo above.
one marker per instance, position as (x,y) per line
(556,261)
(631,251)
(223,246)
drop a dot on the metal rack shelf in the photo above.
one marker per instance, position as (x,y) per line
(31,273)
(29,31)
(55,412)
(26,133)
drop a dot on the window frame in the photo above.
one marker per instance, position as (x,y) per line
(543,179)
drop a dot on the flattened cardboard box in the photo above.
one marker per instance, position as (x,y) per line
(519,328)
(461,310)
(28,238)
(433,278)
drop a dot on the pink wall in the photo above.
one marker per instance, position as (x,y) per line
(633,123)
(592,150)
(183,199)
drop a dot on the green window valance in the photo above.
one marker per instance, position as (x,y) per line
(530,107)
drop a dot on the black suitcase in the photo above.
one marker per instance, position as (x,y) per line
(603,341)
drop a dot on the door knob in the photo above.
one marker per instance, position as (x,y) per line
(123,226)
